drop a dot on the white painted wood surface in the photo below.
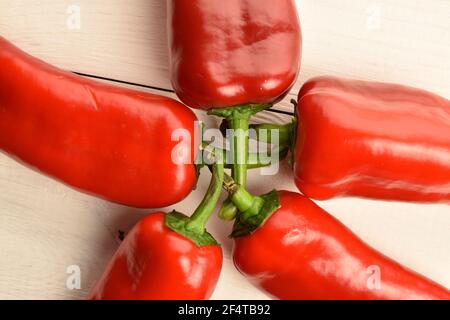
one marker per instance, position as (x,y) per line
(45,227)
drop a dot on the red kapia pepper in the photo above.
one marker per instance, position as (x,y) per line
(166,256)
(108,141)
(374,140)
(293,249)
(155,263)
(234,58)
(234,52)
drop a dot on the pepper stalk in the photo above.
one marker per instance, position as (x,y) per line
(194,227)
(254,210)
(239,119)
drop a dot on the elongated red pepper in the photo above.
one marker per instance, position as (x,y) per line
(293,249)
(234,52)
(167,257)
(108,141)
(239,55)
(374,140)
(156,263)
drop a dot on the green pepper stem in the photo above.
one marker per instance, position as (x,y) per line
(264,133)
(247,204)
(240,149)
(239,117)
(254,210)
(257,160)
(228,211)
(201,215)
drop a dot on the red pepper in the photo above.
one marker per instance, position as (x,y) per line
(234,52)
(238,56)
(293,249)
(108,141)
(373,140)
(167,257)
(156,263)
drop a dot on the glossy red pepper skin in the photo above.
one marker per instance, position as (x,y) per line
(302,252)
(108,141)
(373,140)
(234,52)
(155,263)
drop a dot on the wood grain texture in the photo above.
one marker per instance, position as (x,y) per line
(404,41)
(46,227)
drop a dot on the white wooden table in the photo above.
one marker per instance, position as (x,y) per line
(47,228)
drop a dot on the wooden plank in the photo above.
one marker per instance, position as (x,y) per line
(45,227)
(403,41)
